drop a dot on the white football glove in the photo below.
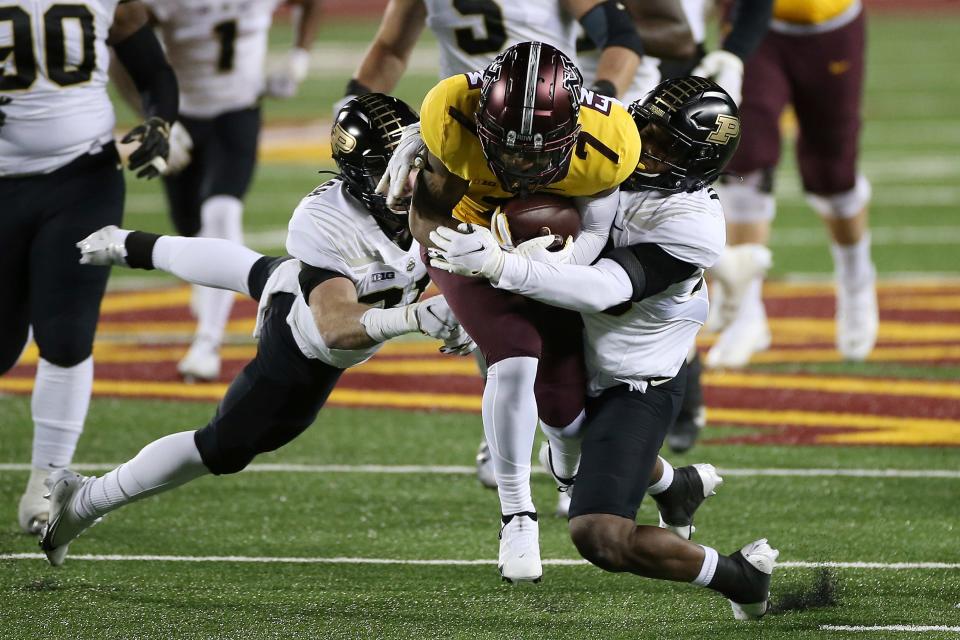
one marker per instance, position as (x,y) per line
(469,250)
(284,82)
(181,146)
(536,249)
(435,319)
(459,344)
(724,68)
(396,182)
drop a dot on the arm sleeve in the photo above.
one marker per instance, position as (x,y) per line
(749,23)
(588,289)
(311,277)
(650,269)
(608,24)
(597,216)
(143,58)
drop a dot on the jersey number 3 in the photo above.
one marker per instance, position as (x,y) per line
(58,69)
(492,22)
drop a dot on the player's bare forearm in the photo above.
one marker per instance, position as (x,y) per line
(337,313)
(618,65)
(663,28)
(309,22)
(386,59)
(435,194)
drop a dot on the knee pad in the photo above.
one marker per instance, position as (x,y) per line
(219,459)
(748,200)
(843,205)
(222,217)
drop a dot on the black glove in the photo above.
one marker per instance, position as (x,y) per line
(4,100)
(151,156)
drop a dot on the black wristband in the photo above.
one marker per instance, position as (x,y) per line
(139,245)
(604,88)
(356,88)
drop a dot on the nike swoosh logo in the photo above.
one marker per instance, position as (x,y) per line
(470,253)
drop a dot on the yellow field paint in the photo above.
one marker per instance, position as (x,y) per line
(917,388)
(922,303)
(405,399)
(154,299)
(924,286)
(243,327)
(449,366)
(879,354)
(899,331)
(870,429)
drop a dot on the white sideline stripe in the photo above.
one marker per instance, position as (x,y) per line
(462,470)
(555,562)
(889,627)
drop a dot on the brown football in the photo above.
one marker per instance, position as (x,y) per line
(541,215)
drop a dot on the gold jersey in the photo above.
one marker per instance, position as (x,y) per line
(809,11)
(606,152)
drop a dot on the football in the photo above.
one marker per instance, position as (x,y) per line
(541,215)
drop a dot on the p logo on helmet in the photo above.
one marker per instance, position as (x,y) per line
(728,128)
(341,140)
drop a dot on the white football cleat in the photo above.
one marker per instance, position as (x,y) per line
(736,269)
(104,247)
(485,472)
(34,508)
(761,558)
(564,485)
(738,342)
(64,525)
(858,320)
(691,486)
(520,548)
(202,362)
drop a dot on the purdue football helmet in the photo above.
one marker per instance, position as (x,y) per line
(527,115)
(365,133)
(690,128)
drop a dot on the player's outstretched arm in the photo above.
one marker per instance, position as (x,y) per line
(610,27)
(435,194)
(346,323)
(140,53)
(597,213)
(386,60)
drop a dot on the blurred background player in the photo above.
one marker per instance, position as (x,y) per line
(472,34)
(60,179)
(320,313)
(218,50)
(813,59)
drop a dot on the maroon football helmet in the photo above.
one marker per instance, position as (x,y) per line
(527,116)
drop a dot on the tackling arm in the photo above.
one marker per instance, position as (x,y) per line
(436,192)
(597,214)
(336,312)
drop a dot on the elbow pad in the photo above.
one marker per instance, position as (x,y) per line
(650,269)
(610,25)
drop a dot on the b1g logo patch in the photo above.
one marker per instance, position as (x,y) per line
(342,140)
(728,128)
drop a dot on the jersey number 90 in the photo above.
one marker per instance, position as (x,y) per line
(24,59)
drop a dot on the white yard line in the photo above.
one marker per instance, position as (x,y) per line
(554,562)
(469,470)
(913,628)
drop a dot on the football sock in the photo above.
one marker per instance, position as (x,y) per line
(666,479)
(160,466)
(852,264)
(211,262)
(709,567)
(510,425)
(61,397)
(564,449)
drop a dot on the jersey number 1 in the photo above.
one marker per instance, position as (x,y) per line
(492,22)
(58,69)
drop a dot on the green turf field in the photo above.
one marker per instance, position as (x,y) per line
(316,551)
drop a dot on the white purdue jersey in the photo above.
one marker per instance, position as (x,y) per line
(218,50)
(652,338)
(471,33)
(331,230)
(53,68)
